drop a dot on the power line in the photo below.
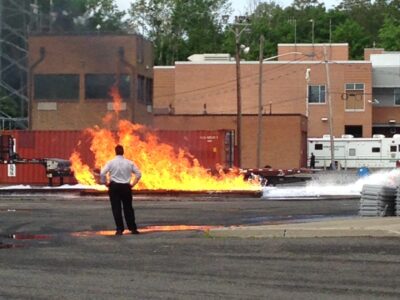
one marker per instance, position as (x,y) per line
(249,76)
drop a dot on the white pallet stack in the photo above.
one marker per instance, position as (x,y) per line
(378,201)
(397,204)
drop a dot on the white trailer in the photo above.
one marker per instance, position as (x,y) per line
(350,152)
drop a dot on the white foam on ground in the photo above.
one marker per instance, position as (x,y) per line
(316,188)
(313,188)
(64,186)
(15,187)
(75,187)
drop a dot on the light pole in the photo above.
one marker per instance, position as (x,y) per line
(260,95)
(240,25)
(294,22)
(312,31)
(260,108)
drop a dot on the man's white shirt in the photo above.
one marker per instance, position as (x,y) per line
(120,170)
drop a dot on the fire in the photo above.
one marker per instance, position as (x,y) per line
(162,166)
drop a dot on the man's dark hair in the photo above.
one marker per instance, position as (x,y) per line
(119,150)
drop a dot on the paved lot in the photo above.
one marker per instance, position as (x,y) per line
(56,247)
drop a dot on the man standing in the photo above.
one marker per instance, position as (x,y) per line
(312,161)
(120,187)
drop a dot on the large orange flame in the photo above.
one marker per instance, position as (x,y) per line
(162,166)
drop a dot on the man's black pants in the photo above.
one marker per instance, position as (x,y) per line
(122,193)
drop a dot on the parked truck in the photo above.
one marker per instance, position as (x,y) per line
(349,152)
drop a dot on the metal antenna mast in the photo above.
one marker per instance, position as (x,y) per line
(16,17)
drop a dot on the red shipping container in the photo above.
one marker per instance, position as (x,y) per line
(209,147)
(39,145)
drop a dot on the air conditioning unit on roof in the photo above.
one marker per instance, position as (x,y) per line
(210,57)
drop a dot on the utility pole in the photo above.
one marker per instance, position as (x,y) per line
(328,93)
(240,26)
(260,96)
(260,100)
(1,41)
(238,99)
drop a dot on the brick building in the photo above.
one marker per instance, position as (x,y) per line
(295,84)
(385,91)
(283,136)
(71,77)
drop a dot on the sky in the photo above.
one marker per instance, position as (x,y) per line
(239,6)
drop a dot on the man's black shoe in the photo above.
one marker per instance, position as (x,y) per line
(118,232)
(135,231)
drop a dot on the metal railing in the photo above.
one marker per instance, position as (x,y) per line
(13,123)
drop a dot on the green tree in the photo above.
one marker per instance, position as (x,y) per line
(368,14)
(351,32)
(153,19)
(389,34)
(8,106)
(308,13)
(288,25)
(179,28)
(269,20)
(304,4)
(84,15)
(200,26)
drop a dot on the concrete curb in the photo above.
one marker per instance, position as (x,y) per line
(373,227)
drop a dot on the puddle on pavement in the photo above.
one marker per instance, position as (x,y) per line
(263,220)
(27,236)
(13,209)
(24,238)
(147,229)
(9,246)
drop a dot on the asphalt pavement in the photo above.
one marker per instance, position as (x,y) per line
(63,247)
(346,227)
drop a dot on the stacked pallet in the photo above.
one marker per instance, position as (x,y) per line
(397,204)
(378,200)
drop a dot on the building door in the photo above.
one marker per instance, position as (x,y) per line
(354,130)
(387,131)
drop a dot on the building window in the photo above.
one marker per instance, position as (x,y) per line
(396,96)
(149,91)
(56,87)
(139,49)
(393,148)
(98,86)
(354,96)
(316,94)
(140,89)
(318,147)
(376,149)
(354,130)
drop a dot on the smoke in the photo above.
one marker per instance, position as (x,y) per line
(334,184)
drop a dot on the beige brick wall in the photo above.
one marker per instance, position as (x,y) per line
(213,85)
(382,115)
(164,88)
(369,51)
(281,134)
(338,52)
(82,55)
